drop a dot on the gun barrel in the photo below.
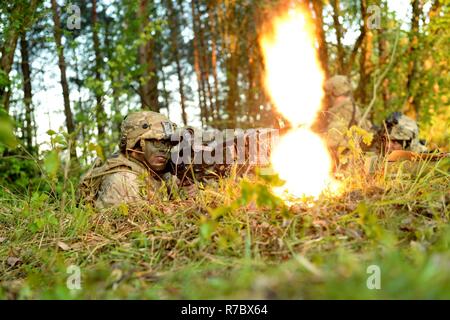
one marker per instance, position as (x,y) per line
(212,156)
(400,155)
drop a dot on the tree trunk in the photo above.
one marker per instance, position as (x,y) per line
(232,60)
(148,88)
(435,8)
(174,35)
(7,60)
(165,93)
(359,41)
(205,69)
(17,24)
(27,92)
(323,50)
(98,89)
(205,72)
(200,87)
(79,104)
(412,104)
(212,25)
(203,66)
(62,67)
(364,57)
(338,30)
(233,93)
(250,103)
(116,116)
(383,56)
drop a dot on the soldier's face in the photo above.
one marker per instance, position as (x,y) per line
(394,145)
(156,154)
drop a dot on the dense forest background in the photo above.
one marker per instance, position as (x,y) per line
(200,63)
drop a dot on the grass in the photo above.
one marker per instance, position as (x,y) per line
(236,240)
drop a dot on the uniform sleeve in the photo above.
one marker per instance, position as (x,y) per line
(339,119)
(337,127)
(119,187)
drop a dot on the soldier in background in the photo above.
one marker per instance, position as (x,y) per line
(402,134)
(397,133)
(398,141)
(341,114)
(139,172)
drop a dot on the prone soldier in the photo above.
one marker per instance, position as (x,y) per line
(401,133)
(397,139)
(398,132)
(140,170)
(156,156)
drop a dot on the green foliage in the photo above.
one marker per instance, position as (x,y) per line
(7,136)
(97,149)
(52,163)
(250,245)
(4,79)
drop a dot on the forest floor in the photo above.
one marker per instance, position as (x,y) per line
(251,245)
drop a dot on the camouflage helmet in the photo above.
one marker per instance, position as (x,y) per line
(403,128)
(143,125)
(338,85)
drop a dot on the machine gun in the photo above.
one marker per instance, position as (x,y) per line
(204,155)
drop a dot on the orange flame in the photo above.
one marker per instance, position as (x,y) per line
(294,81)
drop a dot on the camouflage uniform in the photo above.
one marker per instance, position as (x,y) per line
(123,179)
(343,113)
(119,179)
